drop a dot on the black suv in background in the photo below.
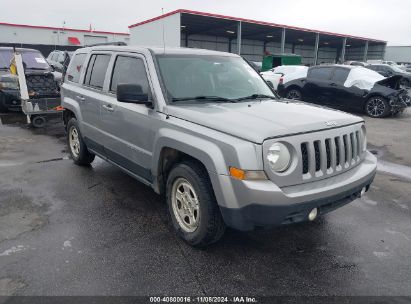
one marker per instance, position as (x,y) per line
(387,70)
(42,82)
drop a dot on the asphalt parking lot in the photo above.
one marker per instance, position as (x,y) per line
(68,230)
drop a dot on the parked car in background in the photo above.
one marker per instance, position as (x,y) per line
(349,88)
(387,70)
(41,81)
(408,68)
(59,60)
(284,73)
(356,63)
(203,128)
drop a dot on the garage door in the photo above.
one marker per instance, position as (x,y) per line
(89,39)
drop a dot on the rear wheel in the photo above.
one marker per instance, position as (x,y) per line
(78,149)
(377,107)
(294,93)
(192,205)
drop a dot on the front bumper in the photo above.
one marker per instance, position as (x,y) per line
(246,205)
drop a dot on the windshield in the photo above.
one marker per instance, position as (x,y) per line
(191,76)
(31,60)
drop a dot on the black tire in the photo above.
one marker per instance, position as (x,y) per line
(38,121)
(210,227)
(294,94)
(377,107)
(80,155)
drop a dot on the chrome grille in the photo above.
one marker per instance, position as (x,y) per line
(329,155)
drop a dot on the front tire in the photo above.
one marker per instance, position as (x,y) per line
(78,149)
(294,94)
(377,107)
(192,205)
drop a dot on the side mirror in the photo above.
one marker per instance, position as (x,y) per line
(132,93)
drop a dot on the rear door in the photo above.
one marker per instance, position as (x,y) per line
(317,87)
(128,136)
(344,97)
(89,98)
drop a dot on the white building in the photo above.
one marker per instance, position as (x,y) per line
(46,38)
(400,54)
(252,38)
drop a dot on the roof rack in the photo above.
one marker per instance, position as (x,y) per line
(118,43)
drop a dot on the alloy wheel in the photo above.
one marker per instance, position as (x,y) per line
(185,205)
(74,142)
(376,107)
(294,94)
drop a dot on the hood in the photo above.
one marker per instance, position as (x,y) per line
(257,121)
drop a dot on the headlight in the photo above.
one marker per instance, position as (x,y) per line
(364,138)
(279,157)
(9,85)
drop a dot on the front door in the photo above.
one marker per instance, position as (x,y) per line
(127,126)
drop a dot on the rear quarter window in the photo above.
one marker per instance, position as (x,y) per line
(320,73)
(74,70)
(340,75)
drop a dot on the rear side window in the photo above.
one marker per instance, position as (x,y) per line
(340,75)
(320,73)
(73,72)
(129,70)
(96,70)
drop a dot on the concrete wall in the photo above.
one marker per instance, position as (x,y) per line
(398,53)
(45,36)
(151,33)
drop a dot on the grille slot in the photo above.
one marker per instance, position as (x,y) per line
(328,151)
(337,150)
(346,150)
(317,155)
(304,157)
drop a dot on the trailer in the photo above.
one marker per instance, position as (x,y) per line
(35,109)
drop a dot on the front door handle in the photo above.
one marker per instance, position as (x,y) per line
(108,107)
(80,98)
(333,84)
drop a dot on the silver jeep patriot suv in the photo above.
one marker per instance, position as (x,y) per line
(203,128)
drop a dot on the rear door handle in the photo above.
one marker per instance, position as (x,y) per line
(81,98)
(108,107)
(333,84)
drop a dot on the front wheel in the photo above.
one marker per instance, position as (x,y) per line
(192,205)
(377,107)
(78,149)
(294,94)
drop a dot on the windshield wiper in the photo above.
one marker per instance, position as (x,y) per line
(205,98)
(257,96)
